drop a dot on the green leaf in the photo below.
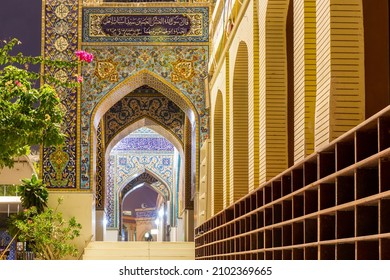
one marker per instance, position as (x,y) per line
(29,116)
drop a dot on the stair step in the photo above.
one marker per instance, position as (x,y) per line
(99,250)
(95,258)
(115,252)
(141,244)
(124,252)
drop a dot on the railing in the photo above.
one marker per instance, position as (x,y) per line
(8,190)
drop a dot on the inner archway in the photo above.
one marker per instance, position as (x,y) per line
(144,157)
(175,66)
(143,112)
(186,139)
(139,213)
(143,204)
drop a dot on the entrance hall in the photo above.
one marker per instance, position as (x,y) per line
(219,129)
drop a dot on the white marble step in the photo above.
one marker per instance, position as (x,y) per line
(139,250)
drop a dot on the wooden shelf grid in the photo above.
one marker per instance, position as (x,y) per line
(335,204)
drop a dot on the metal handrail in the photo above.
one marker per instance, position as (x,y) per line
(5,187)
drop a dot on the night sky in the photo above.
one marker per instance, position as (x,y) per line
(21,19)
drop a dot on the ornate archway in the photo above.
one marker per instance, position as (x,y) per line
(190,134)
(178,70)
(148,178)
(128,155)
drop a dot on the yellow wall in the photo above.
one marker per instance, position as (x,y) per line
(243,36)
(328,84)
(273,88)
(205,197)
(304,77)
(81,206)
(217,190)
(340,102)
(222,85)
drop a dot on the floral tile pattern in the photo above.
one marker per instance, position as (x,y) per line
(100,167)
(5,239)
(127,166)
(143,144)
(133,107)
(138,162)
(182,67)
(61,33)
(185,67)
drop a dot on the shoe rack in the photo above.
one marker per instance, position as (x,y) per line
(333,205)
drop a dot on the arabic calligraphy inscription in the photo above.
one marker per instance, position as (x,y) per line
(145,25)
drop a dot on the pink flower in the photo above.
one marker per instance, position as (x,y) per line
(80,79)
(84,56)
(19,84)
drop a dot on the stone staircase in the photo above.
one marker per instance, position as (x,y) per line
(103,250)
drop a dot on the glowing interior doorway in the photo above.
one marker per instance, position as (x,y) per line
(143,177)
(140,214)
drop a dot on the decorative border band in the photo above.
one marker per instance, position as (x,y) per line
(145,24)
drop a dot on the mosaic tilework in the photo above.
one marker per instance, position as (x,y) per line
(61,33)
(131,108)
(145,144)
(126,166)
(111,215)
(163,189)
(145,132)
(100,166)
(142,178)
(5,239)
(143,139)
(149,164)
(145,89)
(137,24)
(149,179)
(185,67)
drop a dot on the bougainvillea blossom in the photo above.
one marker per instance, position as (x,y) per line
(84,56)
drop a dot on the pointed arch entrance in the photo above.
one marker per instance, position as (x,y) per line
(145,77)
(168,195)
(146,216)
(186,144)
(179,64)
(149,123)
